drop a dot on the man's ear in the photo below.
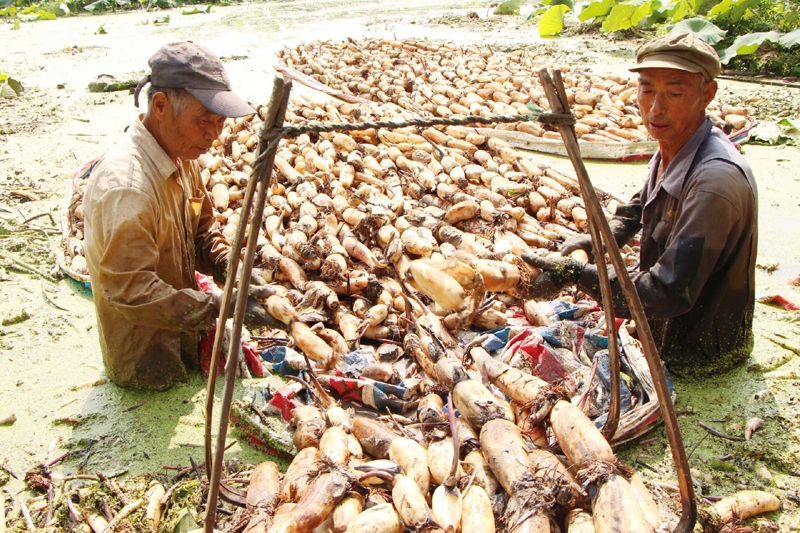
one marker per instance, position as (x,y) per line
(160,106)
(709,92)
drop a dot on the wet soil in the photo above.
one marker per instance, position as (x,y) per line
(51,361)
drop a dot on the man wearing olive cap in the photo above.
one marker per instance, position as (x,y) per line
(697,213)
(149,223)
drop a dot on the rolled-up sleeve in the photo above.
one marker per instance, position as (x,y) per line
(127,272)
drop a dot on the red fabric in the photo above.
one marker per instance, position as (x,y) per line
(348,389)
(516,340)
(282,401)
(253,361)
(206,284)
(545,365)
(206,350)
(515,312)
(617,321)
(777,299)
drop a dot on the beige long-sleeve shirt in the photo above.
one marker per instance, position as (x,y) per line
(148,225)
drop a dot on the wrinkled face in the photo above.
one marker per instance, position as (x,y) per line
(673,103)
(190,134)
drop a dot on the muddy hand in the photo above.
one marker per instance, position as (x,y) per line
(262,292)
(578,242)
(256,316)
(556,274)
(256,276)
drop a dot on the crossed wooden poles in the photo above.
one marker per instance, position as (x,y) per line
(603,243)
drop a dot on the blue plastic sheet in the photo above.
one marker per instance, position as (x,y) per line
(562,335)
(275,359)
(498,338)
(604,374)
(356,361)
(561,309)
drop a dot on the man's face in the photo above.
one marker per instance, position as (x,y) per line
(673,103)
(190,134)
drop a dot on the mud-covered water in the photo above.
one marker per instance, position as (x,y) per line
(58,126)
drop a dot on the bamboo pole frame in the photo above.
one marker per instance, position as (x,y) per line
(263,173)
(601,234)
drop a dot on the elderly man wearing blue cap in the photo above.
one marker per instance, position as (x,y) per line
(149,223)
(697,213)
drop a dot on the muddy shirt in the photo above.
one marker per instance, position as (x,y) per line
(147,222)
(696,275)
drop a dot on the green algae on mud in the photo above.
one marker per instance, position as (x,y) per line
(726,402)
(167,430)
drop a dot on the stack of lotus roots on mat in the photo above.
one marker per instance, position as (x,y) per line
(425,388)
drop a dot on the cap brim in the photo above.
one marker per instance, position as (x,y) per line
(223,103)
(668,61)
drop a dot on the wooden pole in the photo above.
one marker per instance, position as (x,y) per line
(230,282)
(263,173)
(558,103)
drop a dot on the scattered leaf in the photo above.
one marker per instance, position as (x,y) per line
(15,317)
(552,22)
(509,7)
(598,8)
(99,4)
(791,125)
(567,3)
(625,16)
(790,39)
(731,10)
(705,30)
(43,15)
(101,30)
(536,12)
(11,82)
(747,44)
(723,466)
(7,92)
(787,131)
(196,11)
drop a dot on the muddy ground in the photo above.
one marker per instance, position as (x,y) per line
(51,353)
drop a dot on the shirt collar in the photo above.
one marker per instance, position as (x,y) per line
(673,178)
(145,140)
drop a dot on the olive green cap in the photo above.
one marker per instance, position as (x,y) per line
(681,51)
